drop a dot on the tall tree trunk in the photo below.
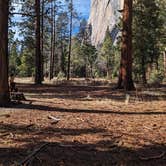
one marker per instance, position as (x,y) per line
(62,58)
(42,41)
(70,38)
(55,59)
(51,75)
(4,87)
(125,73)
(38,69)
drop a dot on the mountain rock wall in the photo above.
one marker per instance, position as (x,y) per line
(104,14)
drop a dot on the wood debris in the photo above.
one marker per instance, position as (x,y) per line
(55,120)
(32,155)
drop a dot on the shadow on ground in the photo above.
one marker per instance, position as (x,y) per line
(101,153)
(60,150)
(107,152)
(65,91)
(88,111)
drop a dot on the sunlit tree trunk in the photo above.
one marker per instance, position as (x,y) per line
(125,74)
(4,87)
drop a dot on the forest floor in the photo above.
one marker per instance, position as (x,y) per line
(91,125)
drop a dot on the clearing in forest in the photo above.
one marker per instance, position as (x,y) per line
(76,125)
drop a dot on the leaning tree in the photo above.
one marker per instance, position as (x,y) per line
(4,87)
(125,74)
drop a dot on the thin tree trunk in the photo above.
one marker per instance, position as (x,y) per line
(144,81)
(62,58)
(54,39)
(38,69)
(42,41)
(125,73)
(52,45)
(4,87)
(164,54)
(70,39)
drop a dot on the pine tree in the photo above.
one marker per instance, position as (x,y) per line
(125,74)
(107,53)
(62,38)
(147,29)
(38,60)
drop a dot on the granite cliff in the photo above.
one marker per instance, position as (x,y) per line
(104,14)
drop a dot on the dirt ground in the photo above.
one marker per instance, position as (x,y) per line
(94,125)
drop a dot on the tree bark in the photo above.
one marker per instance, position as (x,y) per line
(70,39)
(38,69)
(4,86)
(51,74)
(42,41)
(125,73)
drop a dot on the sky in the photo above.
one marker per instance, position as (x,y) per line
(83,9)
(81,6)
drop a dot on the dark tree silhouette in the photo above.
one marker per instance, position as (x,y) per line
(4,87)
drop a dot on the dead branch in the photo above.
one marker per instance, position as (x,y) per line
(56,120)
(32,155)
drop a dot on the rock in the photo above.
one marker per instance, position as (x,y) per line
(104,14)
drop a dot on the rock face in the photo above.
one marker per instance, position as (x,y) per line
(104,14)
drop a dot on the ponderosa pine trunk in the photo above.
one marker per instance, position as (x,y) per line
(125,73)
(38,66)
(4,86)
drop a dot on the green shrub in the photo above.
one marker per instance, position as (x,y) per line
(156,77)
(60,75)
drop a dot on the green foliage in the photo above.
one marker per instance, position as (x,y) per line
(89,53)
(83,58)
(14,59)
(77,59)
(109,56)
(147,27)
(60,75)
(148,43)
(62,37)
(156,77)
(26,69)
